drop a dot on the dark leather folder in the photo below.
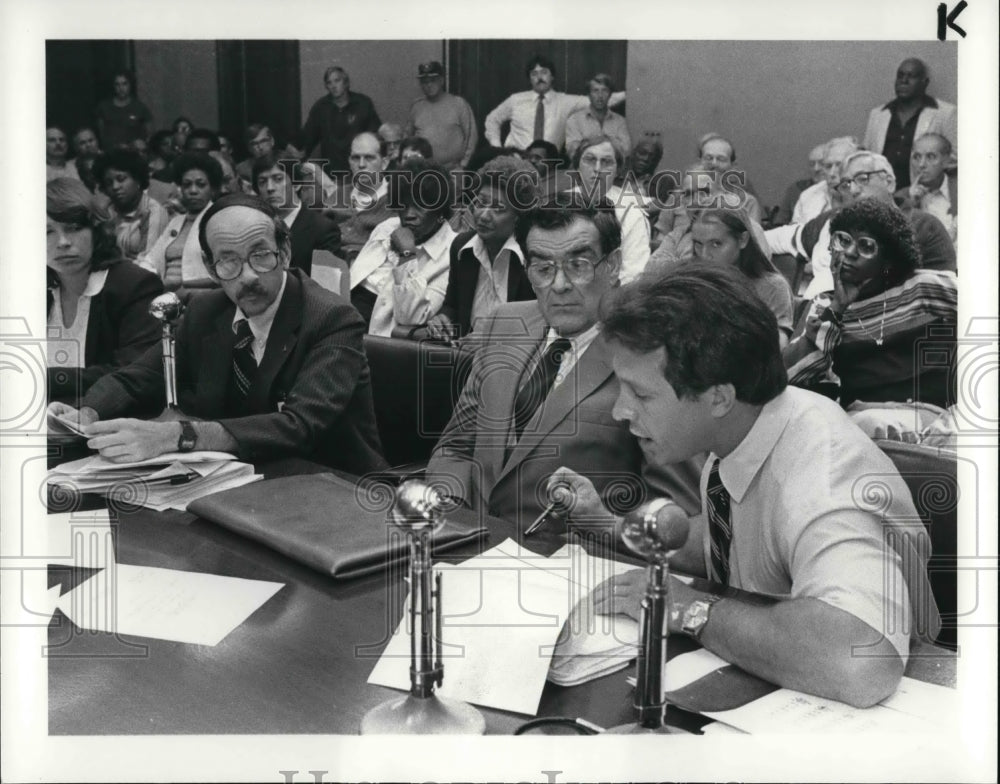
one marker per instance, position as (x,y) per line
(328,523)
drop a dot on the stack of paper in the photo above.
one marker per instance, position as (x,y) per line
(504,613)
(170,481)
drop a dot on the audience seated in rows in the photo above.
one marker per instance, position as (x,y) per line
(138,219)
(787,206)
(824,195)
(934,189)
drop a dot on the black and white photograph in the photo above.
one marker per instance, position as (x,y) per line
(414,392)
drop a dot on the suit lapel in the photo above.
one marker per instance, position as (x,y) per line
(280,342)
(587,375)
(216,362)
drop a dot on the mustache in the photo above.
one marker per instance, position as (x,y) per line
(251,290)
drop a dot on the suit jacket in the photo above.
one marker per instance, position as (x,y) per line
(119,330)
(936,117)
(463,276)
(573,428)
(312,395)
(312,231)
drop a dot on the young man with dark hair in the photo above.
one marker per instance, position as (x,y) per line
(785,511)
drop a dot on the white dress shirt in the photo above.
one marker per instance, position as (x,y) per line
(938,204)
(491,285)
(520,109)
(812,202)
(67,343)
(260,325)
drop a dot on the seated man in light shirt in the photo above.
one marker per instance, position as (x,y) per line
(785,509)
(403,268)
(538,113)
(935,186)
(597,119)
(824,196)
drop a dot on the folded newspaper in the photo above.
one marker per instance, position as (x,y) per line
(169,481)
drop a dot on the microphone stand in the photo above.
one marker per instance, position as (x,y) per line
(640,531)
(417,510)
(167,308)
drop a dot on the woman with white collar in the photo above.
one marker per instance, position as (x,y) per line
(176,255)
(98,303)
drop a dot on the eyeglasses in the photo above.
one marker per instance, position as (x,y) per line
(861,178)
(231,267)
(843,242)
(579,271)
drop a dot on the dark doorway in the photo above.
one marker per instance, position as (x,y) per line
(78,74)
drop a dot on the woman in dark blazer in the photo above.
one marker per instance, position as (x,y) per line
(98,303)
(482,259)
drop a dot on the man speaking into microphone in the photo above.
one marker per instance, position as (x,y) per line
(269,365)
(699,369)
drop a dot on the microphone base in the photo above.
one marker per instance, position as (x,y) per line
(432,715)
(638,729)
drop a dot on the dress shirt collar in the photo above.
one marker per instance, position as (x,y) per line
(364,201)
(943,188)
(260,325)
(439,242)
(478,248)
(739,467)
(293,214)
(95,283)
(927,102)
(579,343)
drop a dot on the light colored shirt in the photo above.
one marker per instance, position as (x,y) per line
(938,204)
(578,344)
(584,124)
(806,524)
(788,239)
(260,325)
(408,292)
(67,170)
(491,285)
(813,202)
(449,125)
(67,344)
(520,108)
(635,231)
(289,219)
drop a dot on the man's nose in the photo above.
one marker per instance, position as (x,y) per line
(561,281)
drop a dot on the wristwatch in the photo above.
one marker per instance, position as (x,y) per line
(188,437)
(696,616)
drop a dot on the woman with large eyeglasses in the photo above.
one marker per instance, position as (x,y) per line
(176,256)
(872,335)
(98,303)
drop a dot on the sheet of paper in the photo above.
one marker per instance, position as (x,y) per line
(93,464)
(689,667)
(499,626)
(793,712)
(927,701)
(58,424)
(166,604)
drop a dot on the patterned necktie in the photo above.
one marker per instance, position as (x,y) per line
(244,362)
(537,387)
(720,527)
(540,118)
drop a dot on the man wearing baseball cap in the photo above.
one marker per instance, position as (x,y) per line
(445,120)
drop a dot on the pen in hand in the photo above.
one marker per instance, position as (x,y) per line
(561,496)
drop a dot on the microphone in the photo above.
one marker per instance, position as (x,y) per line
(167,308)
(655,530)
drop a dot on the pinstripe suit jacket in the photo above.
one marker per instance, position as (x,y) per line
(312,394)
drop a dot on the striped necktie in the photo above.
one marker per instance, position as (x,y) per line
(540,118)
(720,527)
(244,362)
(539,383)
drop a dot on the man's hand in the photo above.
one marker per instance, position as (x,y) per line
(440,328)
(132,440)
(84,416)
(586,504)
(623,594)
(917,192)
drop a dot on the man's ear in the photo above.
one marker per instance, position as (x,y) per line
(614,263)
(744,239)
(721,399)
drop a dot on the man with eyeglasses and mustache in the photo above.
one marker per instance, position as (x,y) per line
(540,392)
(863,175)
(269,365)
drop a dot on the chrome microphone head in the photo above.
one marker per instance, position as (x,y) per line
(417,505)
(166,307)
(654,530)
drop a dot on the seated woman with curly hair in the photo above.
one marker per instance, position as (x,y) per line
(873,333)
(98,303)
(138,220)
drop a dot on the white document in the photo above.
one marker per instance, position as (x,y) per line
(502,615)
(928,701)
(688,667)
(95,464)
(165,604)
(794,712)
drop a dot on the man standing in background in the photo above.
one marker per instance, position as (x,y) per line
(443,119)
(335,119)
(597,119)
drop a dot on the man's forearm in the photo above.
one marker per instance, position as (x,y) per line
(807,645)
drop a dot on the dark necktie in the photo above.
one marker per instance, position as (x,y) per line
(720,527)
(244,363)
(537,387)
(540,118)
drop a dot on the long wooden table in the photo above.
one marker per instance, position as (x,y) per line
(299,664)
